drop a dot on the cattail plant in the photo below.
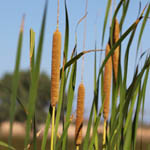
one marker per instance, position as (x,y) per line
(81,96)
(55,71)
(107,83)
(79,115)
(116,52)
(107,88)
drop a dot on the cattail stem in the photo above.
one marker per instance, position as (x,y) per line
(104,135)
(53,125)
(77,147)
(84,39)
(57,14)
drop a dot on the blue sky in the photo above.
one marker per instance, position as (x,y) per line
(11,13)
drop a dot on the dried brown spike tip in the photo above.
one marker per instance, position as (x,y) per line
(55,68)
(117,50)
(107,83)
(79,114)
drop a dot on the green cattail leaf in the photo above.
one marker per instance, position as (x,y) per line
(113,21)
(105,20)
(128,137)
(125,98)
(32,49)
(124,12)
(63,134)
(59,105)
(96,101)
(130,112)
(15,81)
(3,144)
(132,27)
(127,57)
(97,122)
(70,97)
(136,118)
(73,54)
(144,90)
(143,26)
(66,43)
(47,124)
(87,136)
(34,81)
(70,62)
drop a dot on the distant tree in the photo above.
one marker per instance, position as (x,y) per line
(43,97)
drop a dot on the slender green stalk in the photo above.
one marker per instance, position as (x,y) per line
(77,147)
(47,124)
(104,135)
(15,81)
(53,126)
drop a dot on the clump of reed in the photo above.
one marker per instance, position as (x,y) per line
(123,120)
(55,72)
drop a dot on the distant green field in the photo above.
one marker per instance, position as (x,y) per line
(18,143)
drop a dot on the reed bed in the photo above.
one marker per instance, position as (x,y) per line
(121,122)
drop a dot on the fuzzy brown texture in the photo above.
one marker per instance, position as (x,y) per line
(117,50)
(107,83)
(79,114)
(55,68)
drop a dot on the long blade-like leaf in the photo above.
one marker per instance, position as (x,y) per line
(70,97)
(143,26)
(15,80)
(105,20)
(3,144)
(34,81)
(47,124)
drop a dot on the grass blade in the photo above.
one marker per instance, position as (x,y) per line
(3,144)
(125,8)
(47,124)
(86,139)
(70,100)
(63,135)
(15,81)
(143,26)
(96,126)
(34,81)
(32,49)
(59,106)
(74,59)
(105,20)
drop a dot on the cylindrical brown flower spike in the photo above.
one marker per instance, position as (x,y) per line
(55,68)
(79,114)
(107,83)
(117,50)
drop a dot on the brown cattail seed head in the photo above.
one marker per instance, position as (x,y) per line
(116,52)
(79,114)
(55,68)
(107,83)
